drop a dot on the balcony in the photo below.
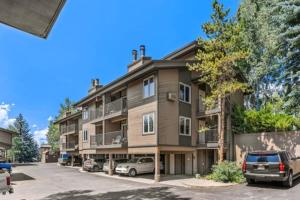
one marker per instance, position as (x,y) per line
(69,146)
(69,129)
(117,139)
(204,110)
(115,108)
(209,139)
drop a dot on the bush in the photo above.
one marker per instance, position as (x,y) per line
(267,119)
(226,172)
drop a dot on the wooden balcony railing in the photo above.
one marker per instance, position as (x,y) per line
(203,110)
(69,128)
(116,138)
(119,105)
(69,145)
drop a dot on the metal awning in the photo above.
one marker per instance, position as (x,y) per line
(32,16)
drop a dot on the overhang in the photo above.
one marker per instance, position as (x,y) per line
(32,16)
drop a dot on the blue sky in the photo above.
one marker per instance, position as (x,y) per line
(91,39)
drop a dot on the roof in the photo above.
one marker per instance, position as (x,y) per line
(71,116)
(166,62)
(36,17)
(8,131)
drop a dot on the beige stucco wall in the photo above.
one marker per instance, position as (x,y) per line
(289,141)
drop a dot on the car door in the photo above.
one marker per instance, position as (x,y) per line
(149,165)
(141,164)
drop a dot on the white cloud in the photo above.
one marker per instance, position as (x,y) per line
(40,136)
(50,118)
(34,126)
(5,121)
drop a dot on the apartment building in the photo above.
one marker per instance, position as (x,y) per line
(5,142)
(70,127)
(155,109)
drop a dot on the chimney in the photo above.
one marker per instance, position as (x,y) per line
(134,55)
(95,85)
(142,51)
(92,82)
(96,82)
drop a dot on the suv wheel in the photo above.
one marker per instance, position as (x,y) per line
(250,181)
(289,181)
(96,169)
(132,172)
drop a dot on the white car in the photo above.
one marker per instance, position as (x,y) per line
(136,166)
(5,185)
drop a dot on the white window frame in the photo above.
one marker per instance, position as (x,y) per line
(85,136)
(148,87)
(85,113)
(190,93)
(185,122)
(148,116)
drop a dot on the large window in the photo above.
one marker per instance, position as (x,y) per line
(85,114)
(85,135)
(184,93)
(148,123)
(149,87)
(184,126)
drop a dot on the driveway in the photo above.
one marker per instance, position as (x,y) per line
(51,182)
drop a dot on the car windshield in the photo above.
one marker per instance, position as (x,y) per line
(263,158)
(134,160)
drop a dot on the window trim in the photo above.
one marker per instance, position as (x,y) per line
(190,93)
(85,112)
(190,125)
(152,132)
(147,79)
(83,135)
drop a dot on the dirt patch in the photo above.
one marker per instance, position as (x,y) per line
(21,177)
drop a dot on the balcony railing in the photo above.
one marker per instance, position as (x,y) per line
(69,145)
(117,138)
(69,128)
(208,136)
(119,105)
(203,110)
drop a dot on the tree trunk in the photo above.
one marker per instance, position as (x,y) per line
(221,130)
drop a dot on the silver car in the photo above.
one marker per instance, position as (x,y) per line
(115,162)
(136,166)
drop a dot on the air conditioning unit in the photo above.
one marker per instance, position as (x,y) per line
(171,96)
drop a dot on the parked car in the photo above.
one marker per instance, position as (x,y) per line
(93,165)
(271,166)
(5,185)
(115,162)
(136,166)
(64,159)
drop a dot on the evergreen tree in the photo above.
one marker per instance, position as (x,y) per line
(287,16)
(25,149)
(218,57)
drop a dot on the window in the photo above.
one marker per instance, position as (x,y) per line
(185,126)
(148,123)
(184,93)
(149,87)
(85,135)
(85,114)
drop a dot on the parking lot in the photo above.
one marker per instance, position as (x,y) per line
(52,182)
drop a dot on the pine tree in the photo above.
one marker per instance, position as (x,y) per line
(218,57)
(287,16)
(24,148)
(53,136)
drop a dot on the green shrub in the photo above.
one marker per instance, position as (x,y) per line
(226,172)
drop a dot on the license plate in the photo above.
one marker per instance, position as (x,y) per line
(261,167)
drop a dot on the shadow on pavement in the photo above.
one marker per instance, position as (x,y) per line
(273,185)
(20,177)
(161,193)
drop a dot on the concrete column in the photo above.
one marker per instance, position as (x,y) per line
(166,167)
(72,160)
(110,170)
(195,162)
(172,163)
(157,166)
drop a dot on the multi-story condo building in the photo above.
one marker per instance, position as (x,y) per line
(156,109)
(6,137)
(70,126)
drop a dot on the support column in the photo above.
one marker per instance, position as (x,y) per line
(172,163)
(72,160)
(110,170)
(195,162)
(157,165)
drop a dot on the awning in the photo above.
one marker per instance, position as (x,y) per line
(32,16)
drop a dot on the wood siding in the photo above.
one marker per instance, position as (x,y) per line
(135,125)
(168,114)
